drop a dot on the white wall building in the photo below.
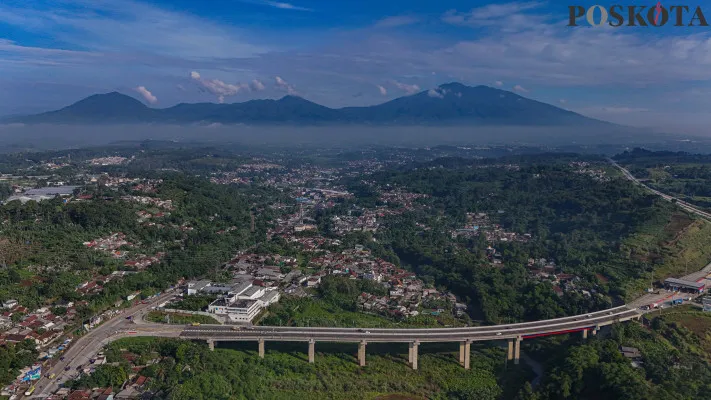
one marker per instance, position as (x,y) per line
(237,310)
(253,293)
(244,303)
(269,298)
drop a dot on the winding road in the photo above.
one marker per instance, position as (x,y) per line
(87,346)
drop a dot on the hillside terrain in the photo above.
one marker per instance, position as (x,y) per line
(449,104)
(384,237)
(683,175)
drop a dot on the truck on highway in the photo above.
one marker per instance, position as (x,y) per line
(30,391)
(676,302)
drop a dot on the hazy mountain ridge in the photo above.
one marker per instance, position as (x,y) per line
(448,104)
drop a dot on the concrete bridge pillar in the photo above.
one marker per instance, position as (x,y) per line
(413,353)
(462,345)
(261,348)
(510,354)
(211,344)
(361,353)
(517,350)
(312,351)
(467,354)
(585,333)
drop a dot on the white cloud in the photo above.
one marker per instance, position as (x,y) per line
(383,91)
(395,21)
(440,92)
(499,83)
(147,95)
(409,89)
(132,27)
(285,86)
(507,16)
(218,87)
(519,88)
(278,4)
(256,85)
(502,10)
(435,93)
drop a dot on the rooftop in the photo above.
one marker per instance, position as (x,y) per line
(239,288)
(251,291)
(243,303)
(51,191)
(681,282)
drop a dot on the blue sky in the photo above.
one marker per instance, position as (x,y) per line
(348,52)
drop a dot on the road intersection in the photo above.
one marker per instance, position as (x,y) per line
(87,346)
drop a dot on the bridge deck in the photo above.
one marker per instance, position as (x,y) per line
(481,333)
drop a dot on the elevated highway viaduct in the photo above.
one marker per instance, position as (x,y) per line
(513,333)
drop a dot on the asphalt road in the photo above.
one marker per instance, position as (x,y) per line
(496,332)
(684,205)
(663,295)
(90,344)
(415,330)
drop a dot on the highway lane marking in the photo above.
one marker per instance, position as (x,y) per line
(595,314)
(522,325)
(281,334)
(470,330)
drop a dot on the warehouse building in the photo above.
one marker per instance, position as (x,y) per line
(684,286)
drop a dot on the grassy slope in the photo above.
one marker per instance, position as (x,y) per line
(310,312)
(180,319)
(676,243)
(696,321)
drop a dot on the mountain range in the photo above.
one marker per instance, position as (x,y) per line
(448,104)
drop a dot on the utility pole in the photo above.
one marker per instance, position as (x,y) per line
(651,271)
